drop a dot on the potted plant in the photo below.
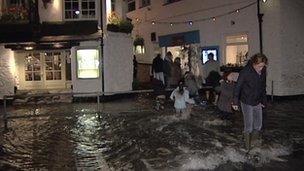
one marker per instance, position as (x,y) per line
(119,25)
(45,2)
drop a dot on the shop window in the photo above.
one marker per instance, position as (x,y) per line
(53,66)
(33,67)
(87,63)
(236,49)
(80,9)
(131,5)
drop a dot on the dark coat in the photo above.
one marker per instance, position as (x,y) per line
(251,87)
(158,64)
(226,97)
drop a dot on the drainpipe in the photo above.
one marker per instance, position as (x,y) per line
(260,20)
(102,46)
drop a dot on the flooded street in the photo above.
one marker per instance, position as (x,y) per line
(129,135)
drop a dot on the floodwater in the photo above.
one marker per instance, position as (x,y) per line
(128,134)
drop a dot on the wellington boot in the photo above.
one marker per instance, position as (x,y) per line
(256,139)
(247,139)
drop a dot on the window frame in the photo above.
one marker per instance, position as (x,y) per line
(53,70)
(32,71)
(80,18)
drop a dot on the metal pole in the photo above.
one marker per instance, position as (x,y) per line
(98,101)
(5,113)
(272,90)
(260,20)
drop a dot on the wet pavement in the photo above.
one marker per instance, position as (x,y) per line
(128,134)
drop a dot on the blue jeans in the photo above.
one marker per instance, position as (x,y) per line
(252,117)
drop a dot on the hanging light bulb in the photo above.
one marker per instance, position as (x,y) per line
(237,11)
(171,24)
(190,23)
(213,19)
(264,1)
(153,22)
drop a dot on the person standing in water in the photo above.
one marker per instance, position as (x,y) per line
(250,90)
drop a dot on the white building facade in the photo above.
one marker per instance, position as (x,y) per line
(66,60)
(228,28)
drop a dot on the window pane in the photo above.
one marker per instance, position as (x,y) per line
(92,5)
(67,5)
(75,6)
(28,76)
(92,14)
(68,14)
(37,67)
(236,54)
(84,5)
(37,76)
(85,14)
(57,65)
(57,75)
(49,75)
(88,63)
(48,65)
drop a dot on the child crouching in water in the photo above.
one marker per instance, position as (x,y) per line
(181,96)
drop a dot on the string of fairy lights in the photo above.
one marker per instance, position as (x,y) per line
(213,18)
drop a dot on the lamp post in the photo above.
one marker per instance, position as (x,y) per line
(260,20)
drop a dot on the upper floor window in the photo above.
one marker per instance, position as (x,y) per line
(113,5)
(80,9)
(170,1)
(145,3)
(131,5)
(17,2)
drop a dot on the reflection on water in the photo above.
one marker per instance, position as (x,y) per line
(129,135)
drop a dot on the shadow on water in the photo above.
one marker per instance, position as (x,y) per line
(129,135)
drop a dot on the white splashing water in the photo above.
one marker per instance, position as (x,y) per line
(212,161)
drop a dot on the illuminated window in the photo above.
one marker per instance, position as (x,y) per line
(236,49)
(139,49)
(87,63)
(80,9)
(33,67)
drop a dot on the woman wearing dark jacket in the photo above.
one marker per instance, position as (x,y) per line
(250,91)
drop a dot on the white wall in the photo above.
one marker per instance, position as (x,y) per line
(53,12)
(7,72)
(118,62)
(211,33)
(85,85)
(292,43)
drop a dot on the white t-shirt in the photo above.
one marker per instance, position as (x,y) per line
(181,99)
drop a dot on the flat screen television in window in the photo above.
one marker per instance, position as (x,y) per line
(209,49)
(87,63)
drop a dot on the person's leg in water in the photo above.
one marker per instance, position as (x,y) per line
(178,112)
(257,125)
(248,124)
